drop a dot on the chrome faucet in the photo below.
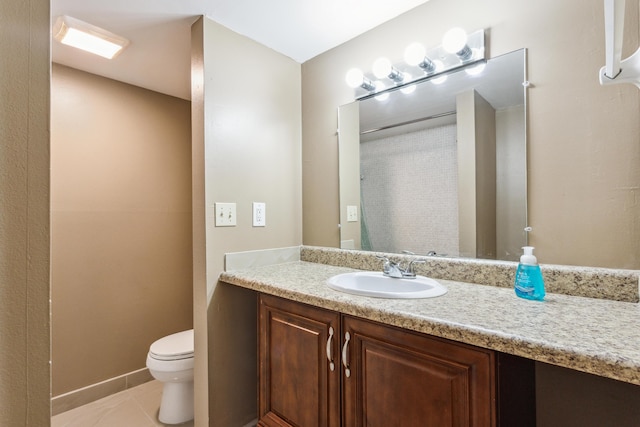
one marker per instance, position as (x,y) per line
(394,270)
(390,268)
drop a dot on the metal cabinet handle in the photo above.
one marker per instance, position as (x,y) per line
(332,365)
(345,348)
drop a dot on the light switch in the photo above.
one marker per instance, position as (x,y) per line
(225,214)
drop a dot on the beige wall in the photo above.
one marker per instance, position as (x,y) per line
(349,173)
(584,139)
(24,213)
(120,225)
(201,363)
(476,124)
(251,144)
(511,187)
(578,130)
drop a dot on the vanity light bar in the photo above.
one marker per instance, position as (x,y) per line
(458,50)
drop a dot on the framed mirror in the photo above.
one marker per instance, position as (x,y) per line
(440,169)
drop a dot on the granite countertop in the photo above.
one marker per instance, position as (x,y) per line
(597,336)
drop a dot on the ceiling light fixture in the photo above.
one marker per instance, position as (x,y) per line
(79,34)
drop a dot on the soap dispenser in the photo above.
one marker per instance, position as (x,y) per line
(529,283)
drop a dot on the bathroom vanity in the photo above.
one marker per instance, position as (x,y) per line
(319,367)
(464,358)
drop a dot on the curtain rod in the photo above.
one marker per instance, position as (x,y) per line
(409,122)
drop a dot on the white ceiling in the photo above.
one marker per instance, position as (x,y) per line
(158,57)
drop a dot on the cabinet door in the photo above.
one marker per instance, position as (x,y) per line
(297,386)
(403,379)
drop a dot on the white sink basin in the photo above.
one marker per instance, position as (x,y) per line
(375,284)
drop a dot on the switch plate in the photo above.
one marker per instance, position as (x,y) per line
(225,214)
(352,213)
(259,214)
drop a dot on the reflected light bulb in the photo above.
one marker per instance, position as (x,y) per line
(382,68)
(439,80)
(454,40)
(414,54)
(439,67)
(409,88)
(382,96)
(473,71)
(379,88)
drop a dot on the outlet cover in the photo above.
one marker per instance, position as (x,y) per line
(259,214)
(225,214)
(352,213)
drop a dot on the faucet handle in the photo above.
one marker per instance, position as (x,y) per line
(409,271)
(390,268)
(386,263)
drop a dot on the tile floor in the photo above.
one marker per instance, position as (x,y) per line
(136,407)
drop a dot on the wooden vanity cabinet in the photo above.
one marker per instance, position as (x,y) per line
(297,386)
(399,378)
(382,375)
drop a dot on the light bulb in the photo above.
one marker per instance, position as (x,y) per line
(439,67)
(477,69)
(439,80)
(379,88)
(354,78)
(454,40)
(382,97)
(414,54)
(382,68)
(409,88)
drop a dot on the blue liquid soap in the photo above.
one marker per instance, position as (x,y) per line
(529,283)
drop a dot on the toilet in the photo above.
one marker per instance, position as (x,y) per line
(170,360)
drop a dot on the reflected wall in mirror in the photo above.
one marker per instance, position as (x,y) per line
(441,170)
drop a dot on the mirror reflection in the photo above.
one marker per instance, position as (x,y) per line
(440,170)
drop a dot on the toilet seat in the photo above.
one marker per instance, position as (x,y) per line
(173,347)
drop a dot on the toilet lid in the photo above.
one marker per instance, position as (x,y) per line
(175,346)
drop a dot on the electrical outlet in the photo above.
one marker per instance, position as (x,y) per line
(225,214)
(259,214)
(352,213)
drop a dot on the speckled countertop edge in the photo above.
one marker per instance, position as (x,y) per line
(596,336)
(590,282)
